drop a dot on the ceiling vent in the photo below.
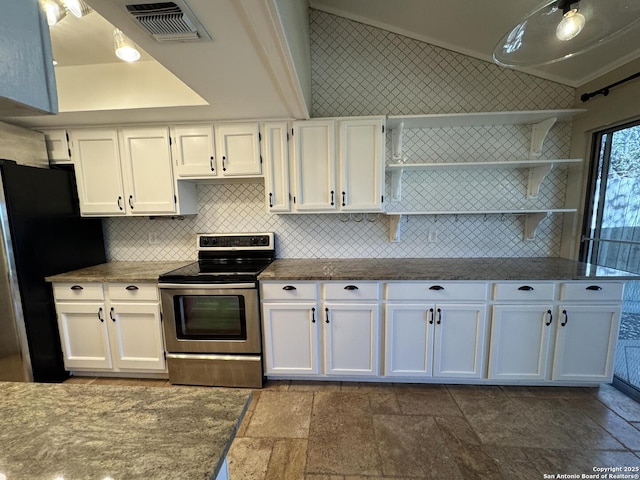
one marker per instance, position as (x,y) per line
(168,21)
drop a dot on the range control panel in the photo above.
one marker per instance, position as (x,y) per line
(235,241)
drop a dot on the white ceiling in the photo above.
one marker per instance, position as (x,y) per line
(246,70)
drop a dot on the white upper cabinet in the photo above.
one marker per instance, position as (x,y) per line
(193,149)
(361,164)
(238,149)
(147,170)
(275,148)
(96,157)
(127,172)
(314,166)
(58,150)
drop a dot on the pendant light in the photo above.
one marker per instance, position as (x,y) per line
(54,11)
(125,49)
(78,8)
(559,29)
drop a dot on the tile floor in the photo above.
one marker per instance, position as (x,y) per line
(359,431)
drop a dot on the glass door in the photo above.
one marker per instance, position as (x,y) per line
(611,235)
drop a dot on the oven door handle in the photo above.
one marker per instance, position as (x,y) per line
(208,286)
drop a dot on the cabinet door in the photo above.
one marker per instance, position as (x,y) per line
(519,347)
(361,165)
(459,341)
(83,335)
(239,149)
(147,171)
(585,342)
(58,150)
(291,338)
(314,165)
(275,145)
(351,339)
(409,339)
(96,157)
(193,150)
(136,336)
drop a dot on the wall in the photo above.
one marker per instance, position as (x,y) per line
(361,70)
(621,105)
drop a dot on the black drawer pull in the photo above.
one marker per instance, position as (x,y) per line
(431,316)
(525,288)
(326,313)
(100,315)
(594,287)
(111,311)
(351,287)
(332,202)
(566,318)
(131,201)
(313,315)
(436,287)
(270,200)
(550,317)
(288,287)
(131,288)
(77,287)
(439,316)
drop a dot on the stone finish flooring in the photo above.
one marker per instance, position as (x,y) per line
(362,431)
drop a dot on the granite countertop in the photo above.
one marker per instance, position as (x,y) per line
(440,269)
(88,432)
(118,272)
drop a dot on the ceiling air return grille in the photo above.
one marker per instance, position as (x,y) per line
(168,21)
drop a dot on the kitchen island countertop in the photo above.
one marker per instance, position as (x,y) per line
(119,272)
(50,431)
(440,269)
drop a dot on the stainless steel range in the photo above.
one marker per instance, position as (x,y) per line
(212,312)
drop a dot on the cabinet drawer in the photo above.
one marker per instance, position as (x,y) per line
(78,291)
(437,291)
(523,291)
(133,291)
(350,291)
(288,291)
(591,291)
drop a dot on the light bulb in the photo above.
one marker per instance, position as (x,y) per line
(54,12)
(125,49)
(571,25)
(74,7)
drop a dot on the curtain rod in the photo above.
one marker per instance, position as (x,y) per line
(605,90)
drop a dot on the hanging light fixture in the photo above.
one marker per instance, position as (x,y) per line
(559,29)
(77,8)
(125,49)
(54,11)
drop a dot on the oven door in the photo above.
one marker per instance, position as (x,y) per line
(211,318)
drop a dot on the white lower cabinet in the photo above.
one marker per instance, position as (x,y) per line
(585,343)
(291,338)
(351,338)
(112,327)
(520,339)
(435,340)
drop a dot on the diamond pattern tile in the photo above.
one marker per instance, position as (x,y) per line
(362,70)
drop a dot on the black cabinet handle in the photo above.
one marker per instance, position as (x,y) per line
(131,288)
(566,318)
(270,200)
(224,163)
(439,316)
(100,315)
(120,203)
(76,287)
(594,287)
(525,288)
(436,287)
(131,201)
(343,199)
(326,314)
(113,319)
(332,201)
(550,317)
(211,162)
(288,287)
(431,316)
(313,315)
(351,287)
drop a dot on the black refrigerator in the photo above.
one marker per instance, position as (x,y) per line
(42,234)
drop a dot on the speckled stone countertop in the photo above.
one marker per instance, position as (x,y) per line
(439,269)
(118,272)
(88,432)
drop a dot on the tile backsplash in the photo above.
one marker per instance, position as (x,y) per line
(362,70)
